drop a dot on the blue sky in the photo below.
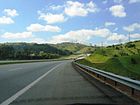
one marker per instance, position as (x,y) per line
(56,21)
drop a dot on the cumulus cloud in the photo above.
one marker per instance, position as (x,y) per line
(134,1)
(135,35)
(11,12)
(75,8)
(130,1)
(70,8)
(56,7)
(21,35)
(85,35)
(117,11)
(117,37)
(81,36)
(109,24)
(38,40)
(6,20)
(51,18)
(38,28)
(132,27)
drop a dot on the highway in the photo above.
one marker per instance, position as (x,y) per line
(53,83)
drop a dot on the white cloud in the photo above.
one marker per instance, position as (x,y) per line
(81,36)
(56,7)
(130,1)
(121,37)
(75,8)
(134,1)
(109,24)
(70,8)
(52,28)
(132,27)
(91,7)
(38,40)
(85,35)
(117,11)
(6,20)
(11,12)
(38,28)
(51,18)
(35,27)
(101,32)
(117,37)
(21,35)
(135,35)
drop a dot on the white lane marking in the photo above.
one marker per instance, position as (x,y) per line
(19,93)
(15,69)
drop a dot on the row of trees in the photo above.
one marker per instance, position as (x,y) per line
(25,51)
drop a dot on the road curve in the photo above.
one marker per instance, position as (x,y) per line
(52,83)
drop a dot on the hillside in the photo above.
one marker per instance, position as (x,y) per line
(123,59)
(41,51)
(75,48)
(30,51)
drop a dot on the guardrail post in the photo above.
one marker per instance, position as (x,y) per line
(132,87)
(98,75)
(104,78)
(115,83)
(132,91)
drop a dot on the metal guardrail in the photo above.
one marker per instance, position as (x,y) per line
(133,84)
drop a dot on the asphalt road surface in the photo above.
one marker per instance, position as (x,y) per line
(53,83)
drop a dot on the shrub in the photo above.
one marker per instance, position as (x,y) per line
(123,54)
(117,48)
(130,45)
(115,55)
(133,61)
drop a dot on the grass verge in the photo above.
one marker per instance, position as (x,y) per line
(128,66)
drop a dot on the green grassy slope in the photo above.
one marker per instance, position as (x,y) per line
(119,59)
(74,47)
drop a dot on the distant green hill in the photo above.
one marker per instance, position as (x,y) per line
(123,59)
(30,51)
(41,51)
(75,48)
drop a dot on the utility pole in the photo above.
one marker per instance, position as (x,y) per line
(90,44)
(129,37)
(120,41)
(102,44)
(94,45)
(75,41)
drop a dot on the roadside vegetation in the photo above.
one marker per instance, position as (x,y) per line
(33,51)
(122,59)
(74,48)
(27,51)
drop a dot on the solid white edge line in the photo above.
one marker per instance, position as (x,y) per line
(19,93)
